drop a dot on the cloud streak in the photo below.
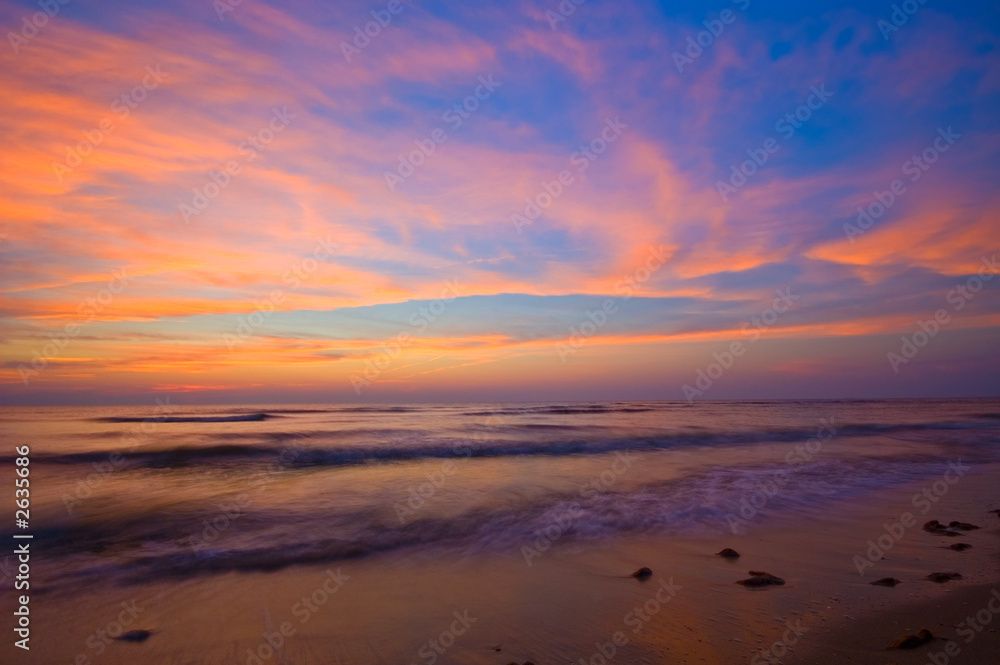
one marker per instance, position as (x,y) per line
(322,177)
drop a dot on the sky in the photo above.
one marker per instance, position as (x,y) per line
(389,201)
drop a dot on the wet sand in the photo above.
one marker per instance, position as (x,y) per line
(574,602)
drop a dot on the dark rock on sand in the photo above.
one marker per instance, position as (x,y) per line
(962,526)
(943,577)
(135,636)
(936,527)
(728,553)
(760,579)
(912,641)
(960,547)
(887,581)
(642,574)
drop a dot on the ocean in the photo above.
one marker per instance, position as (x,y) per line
(129,495)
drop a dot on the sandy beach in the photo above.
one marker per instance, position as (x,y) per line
(576,604)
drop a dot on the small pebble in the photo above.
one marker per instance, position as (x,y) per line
(643,573)
(912,641)
(886,581)
(761,579)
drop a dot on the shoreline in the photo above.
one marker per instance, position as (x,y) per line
(578,601)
